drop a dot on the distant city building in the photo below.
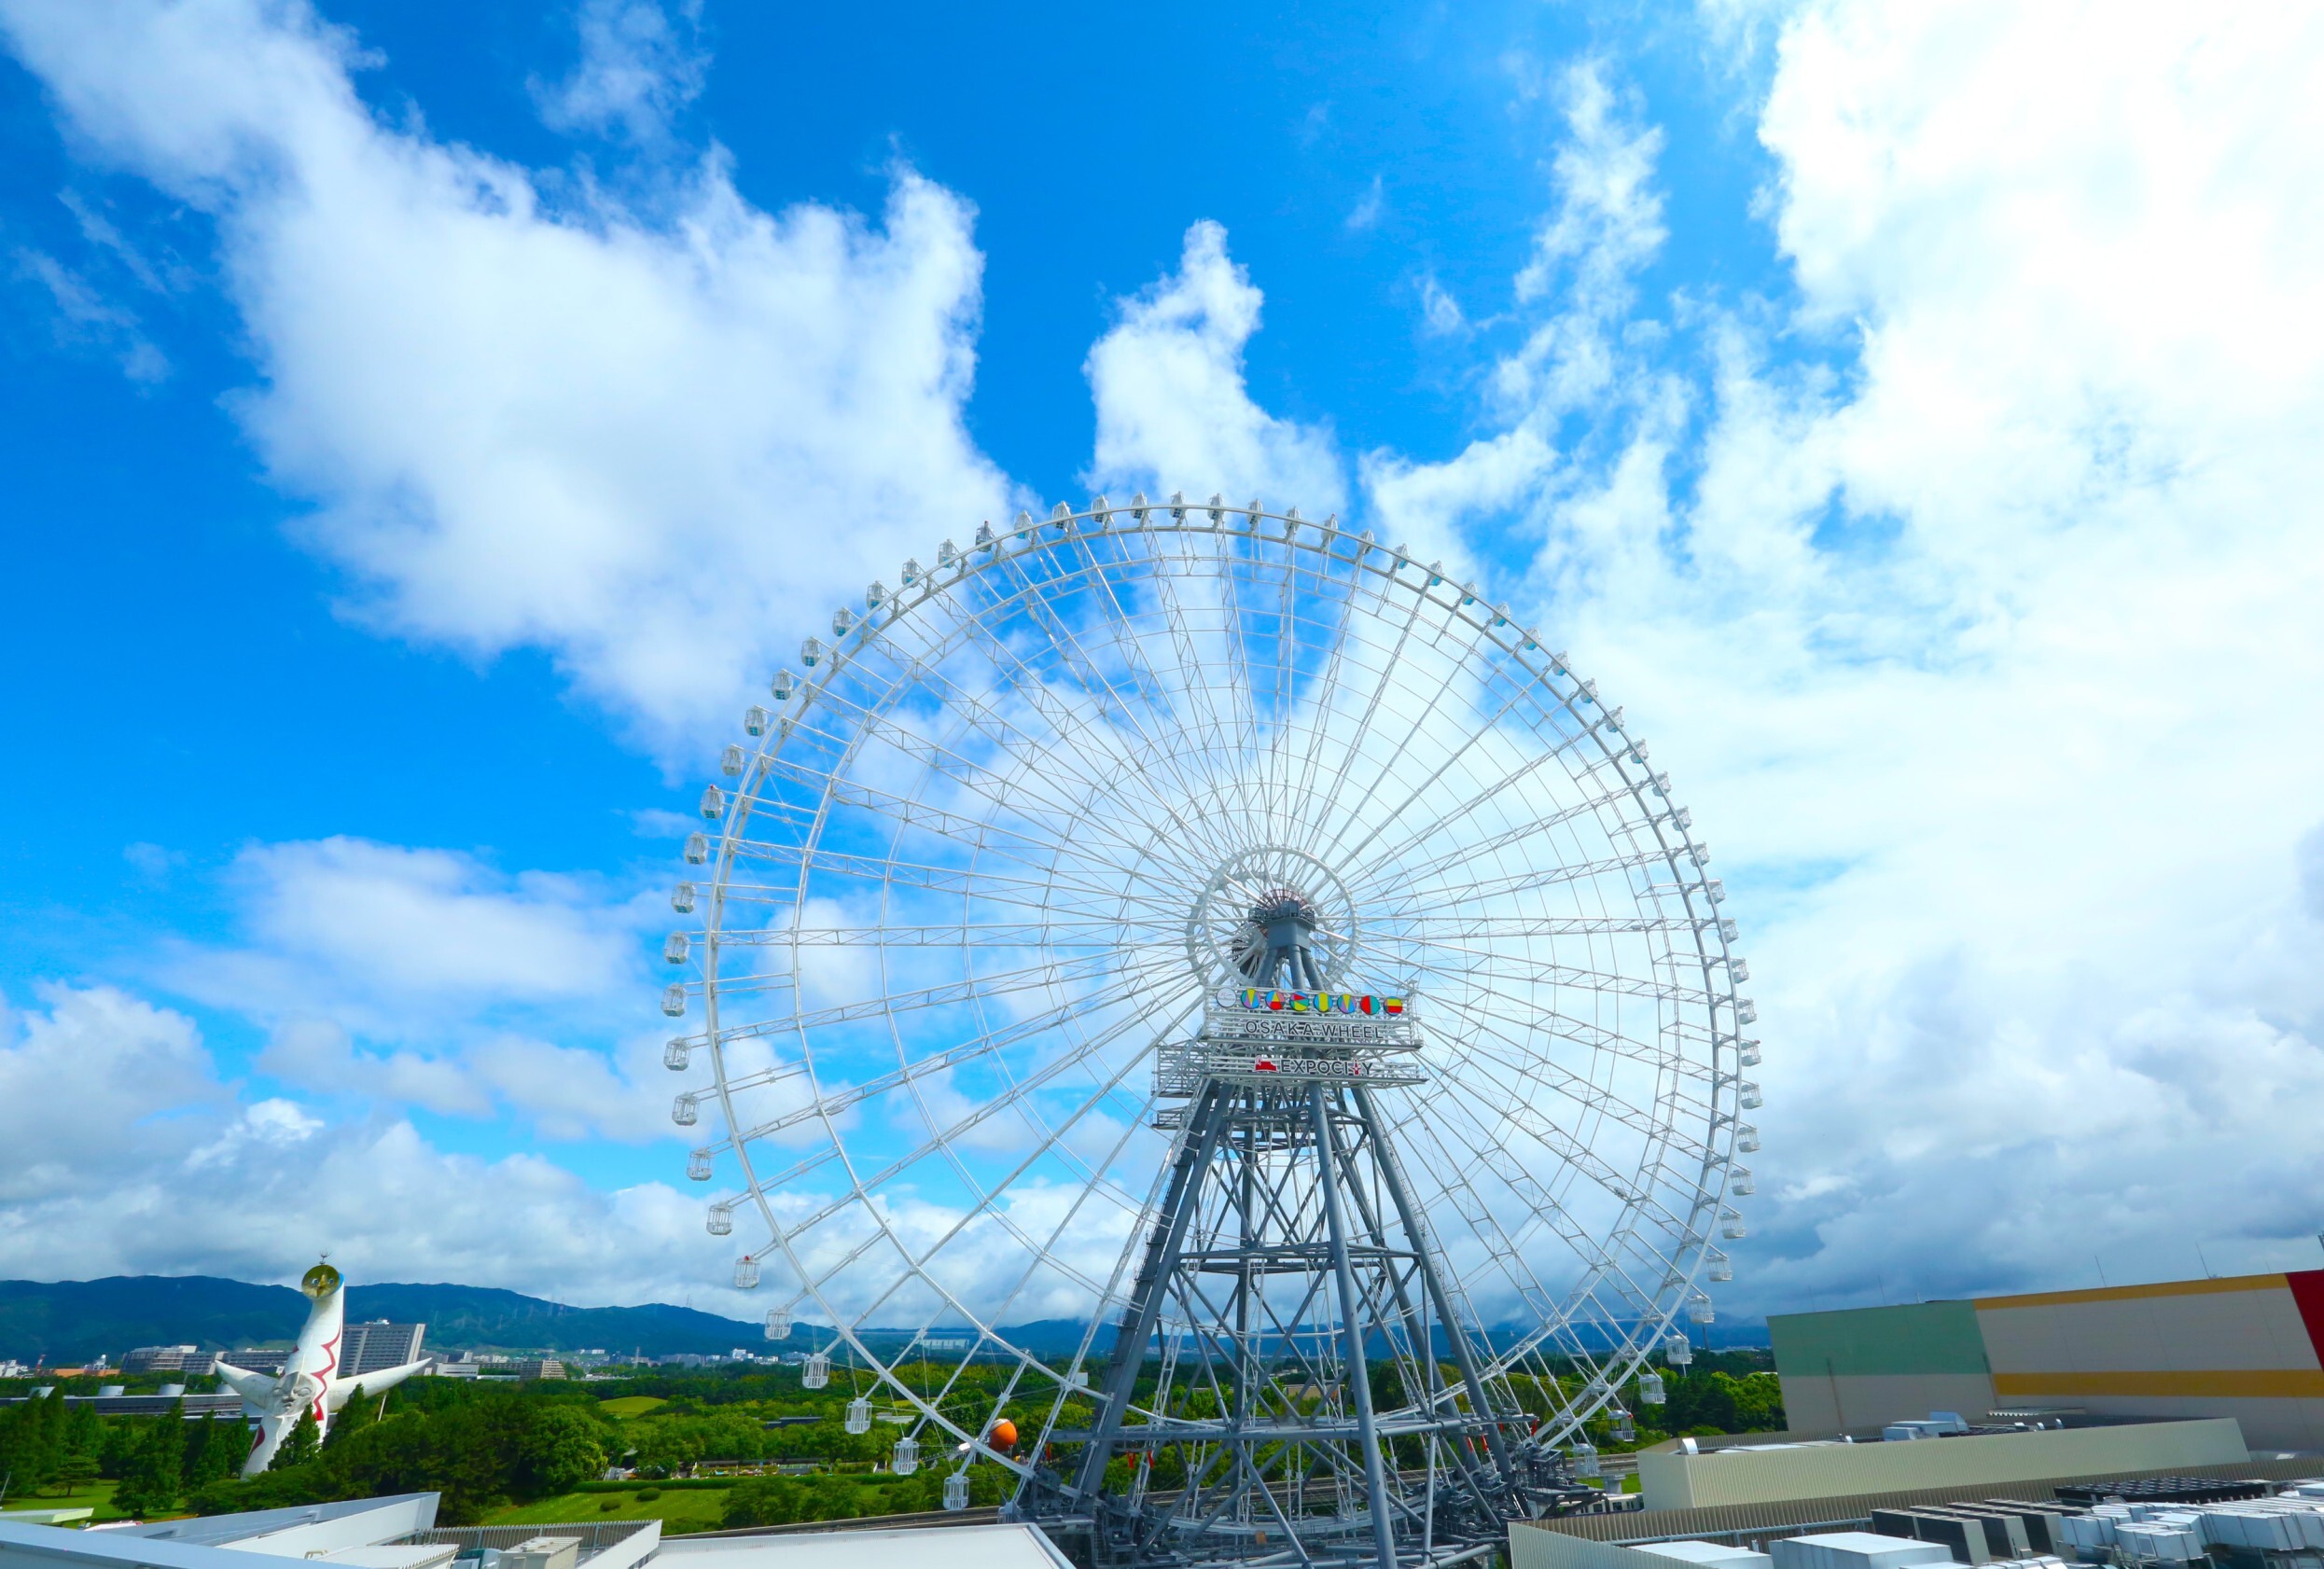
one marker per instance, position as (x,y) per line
(252,1359)
(461,1370)
(540,1367)
(168,1359)
(370,1348)
(11,1368)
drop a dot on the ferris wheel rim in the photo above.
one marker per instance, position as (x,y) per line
(1329,541)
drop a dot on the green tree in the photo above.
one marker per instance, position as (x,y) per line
(562,1450)
(302,1444)
(155,1475)
(763,1501)
(215,1448)
(74,1472)
(353,1417)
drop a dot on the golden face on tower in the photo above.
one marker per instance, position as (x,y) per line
(320,1281)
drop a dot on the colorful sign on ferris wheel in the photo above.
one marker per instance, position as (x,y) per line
(1262,999)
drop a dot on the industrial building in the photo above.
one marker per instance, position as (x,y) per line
(2250,1347)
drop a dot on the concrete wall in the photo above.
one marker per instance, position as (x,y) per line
(1674,1480)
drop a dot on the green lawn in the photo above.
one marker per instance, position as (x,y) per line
(96,1496)
(687,1509)
(629,1406)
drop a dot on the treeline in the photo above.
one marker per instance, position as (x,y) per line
(786,1500)
(48,1446)
(478,1447)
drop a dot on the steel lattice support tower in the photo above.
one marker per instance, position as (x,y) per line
(1323,1400)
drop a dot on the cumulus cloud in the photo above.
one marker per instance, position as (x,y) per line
(657,446)
(1980,632)
(639,66)
(418,978)
(162,1168)
(1173,410)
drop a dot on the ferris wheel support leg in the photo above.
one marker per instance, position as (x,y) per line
(1199,1144)
(1352,1329)
(1463,1356)
(1415,1321)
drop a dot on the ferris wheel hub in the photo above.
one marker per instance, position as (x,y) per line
(1273,915)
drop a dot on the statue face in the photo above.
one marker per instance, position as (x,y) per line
(320,1281)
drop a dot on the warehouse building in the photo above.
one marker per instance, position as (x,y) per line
(2249,1347)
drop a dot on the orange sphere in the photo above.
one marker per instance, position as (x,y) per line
(1002,1435)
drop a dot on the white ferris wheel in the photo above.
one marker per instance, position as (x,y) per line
(1183,956)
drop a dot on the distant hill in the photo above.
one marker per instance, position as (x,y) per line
(69,1321)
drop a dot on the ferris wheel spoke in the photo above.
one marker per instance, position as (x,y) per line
(1235,738)
(1545,877)
(1519,1111)
(1476,731)
(1598,794)
(1320,703)
(922,1151)
(1024,848)
(1424,927)
(1490,964)
(1597,1258)
(849,1097)
(1455,1184)
(997,886)
(985,1205)
(1084,933)
(1037,800)
(1369,711)
(1057,759)
(1074,656)
(1430,873)
(1023,977)
(1072,1211)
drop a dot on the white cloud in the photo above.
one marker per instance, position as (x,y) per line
(1441,314)
(1173,410)
(660,448)
(161,1169)
(1983,637)
(95,1057)
(424,977)
(81,315)
(1366,214)
(395,922)
(639,66)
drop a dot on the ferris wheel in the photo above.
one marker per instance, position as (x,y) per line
(1233,986)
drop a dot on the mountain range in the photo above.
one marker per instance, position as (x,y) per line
(70,1321)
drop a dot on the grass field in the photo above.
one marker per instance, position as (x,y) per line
(96,1496)
(629,1406)
(679,1512)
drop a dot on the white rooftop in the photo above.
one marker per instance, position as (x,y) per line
(955,1546)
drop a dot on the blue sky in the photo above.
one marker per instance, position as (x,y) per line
(425,423)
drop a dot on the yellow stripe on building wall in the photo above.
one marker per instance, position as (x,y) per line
(2134,1293)
(2232,1383)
